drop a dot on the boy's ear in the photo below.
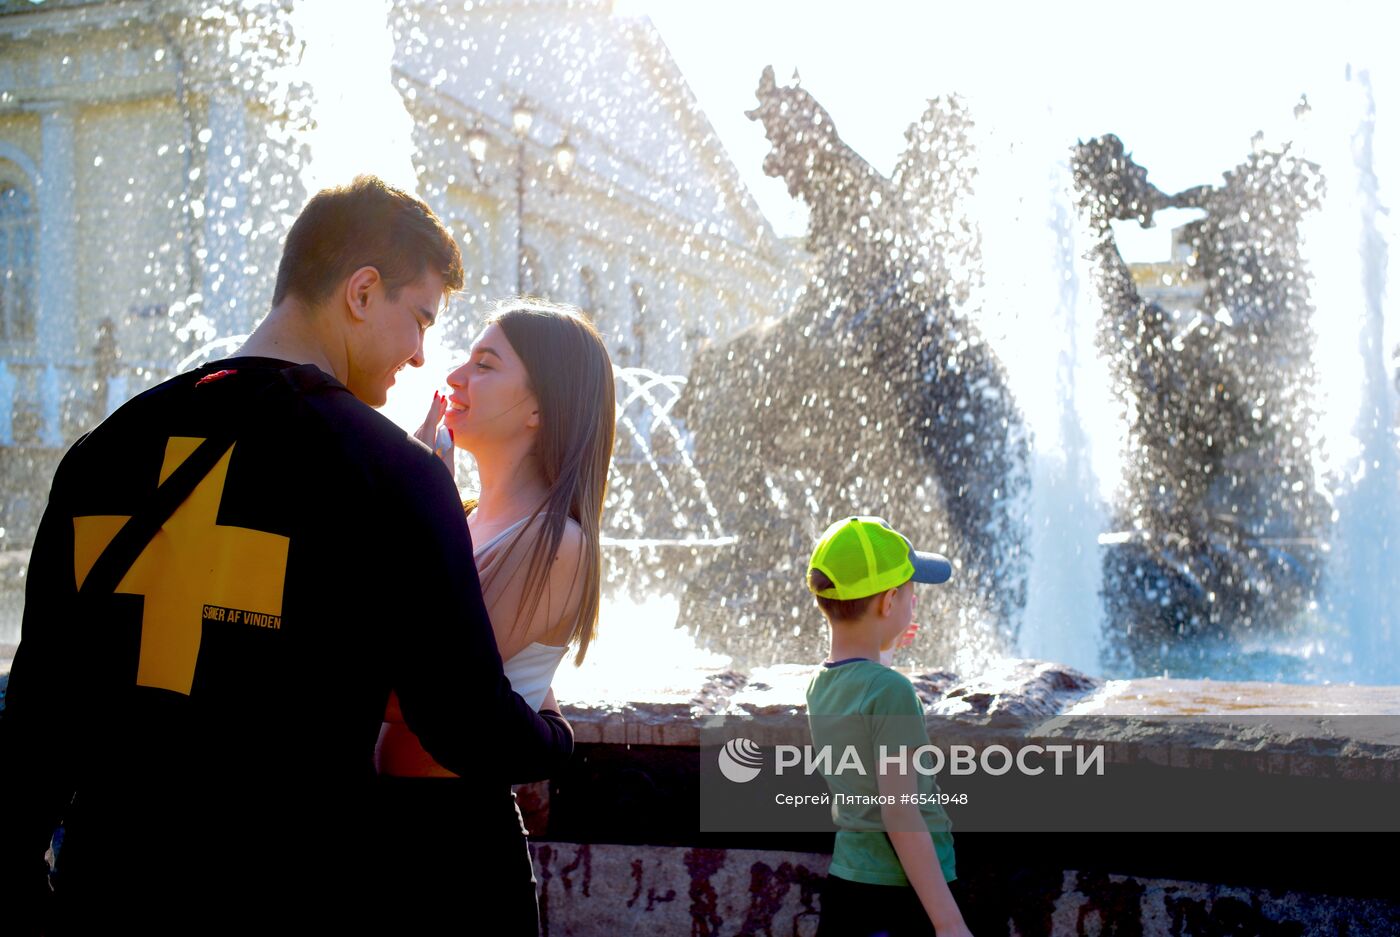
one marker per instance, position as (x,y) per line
(357,290)
(886,603)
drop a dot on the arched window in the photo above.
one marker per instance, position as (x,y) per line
(19,229)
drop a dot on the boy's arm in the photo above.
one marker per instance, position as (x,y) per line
(904,824)
(897,722)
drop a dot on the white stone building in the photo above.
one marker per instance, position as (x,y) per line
(651,231)
(150,167)
(1174,284)
(146,180)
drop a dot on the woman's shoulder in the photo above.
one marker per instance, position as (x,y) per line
(516,546)
(573,535)
(570,537)
(568,560)
(562,582)
(568,556)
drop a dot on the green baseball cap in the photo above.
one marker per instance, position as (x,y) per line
(865,556)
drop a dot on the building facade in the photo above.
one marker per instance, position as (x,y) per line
(651,230)
(150,165)
(1174,284)
(141,199)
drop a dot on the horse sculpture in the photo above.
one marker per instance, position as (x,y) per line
(1221,522)
(875,394)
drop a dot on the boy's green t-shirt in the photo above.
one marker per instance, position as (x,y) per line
(865,704)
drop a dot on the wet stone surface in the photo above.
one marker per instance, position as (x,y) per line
(596,889)
(1202,724)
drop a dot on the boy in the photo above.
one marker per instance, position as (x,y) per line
(892,862)
(203,722)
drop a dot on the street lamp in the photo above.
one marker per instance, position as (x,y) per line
(522,118)
(477,142)
(564,156)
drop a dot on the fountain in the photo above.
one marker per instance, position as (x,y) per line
(1363,594)
(876,394)
(1223,523)
(654,482)
(884,388)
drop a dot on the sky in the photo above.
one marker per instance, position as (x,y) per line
(1185,85)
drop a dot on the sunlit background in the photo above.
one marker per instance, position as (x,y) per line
(652,95)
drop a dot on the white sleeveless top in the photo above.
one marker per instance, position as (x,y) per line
(531,670)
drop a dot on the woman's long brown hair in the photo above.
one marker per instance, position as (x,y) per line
(571,377)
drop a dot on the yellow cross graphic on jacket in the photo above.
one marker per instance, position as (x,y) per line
(190,563)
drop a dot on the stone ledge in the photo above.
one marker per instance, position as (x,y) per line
(1199,725)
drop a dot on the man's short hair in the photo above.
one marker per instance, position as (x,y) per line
(836,609)
(365,224)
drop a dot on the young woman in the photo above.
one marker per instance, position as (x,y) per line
(534,405)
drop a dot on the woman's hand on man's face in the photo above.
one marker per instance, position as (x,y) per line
(427,433)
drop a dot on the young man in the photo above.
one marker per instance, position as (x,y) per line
(232,573)
(892,862)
